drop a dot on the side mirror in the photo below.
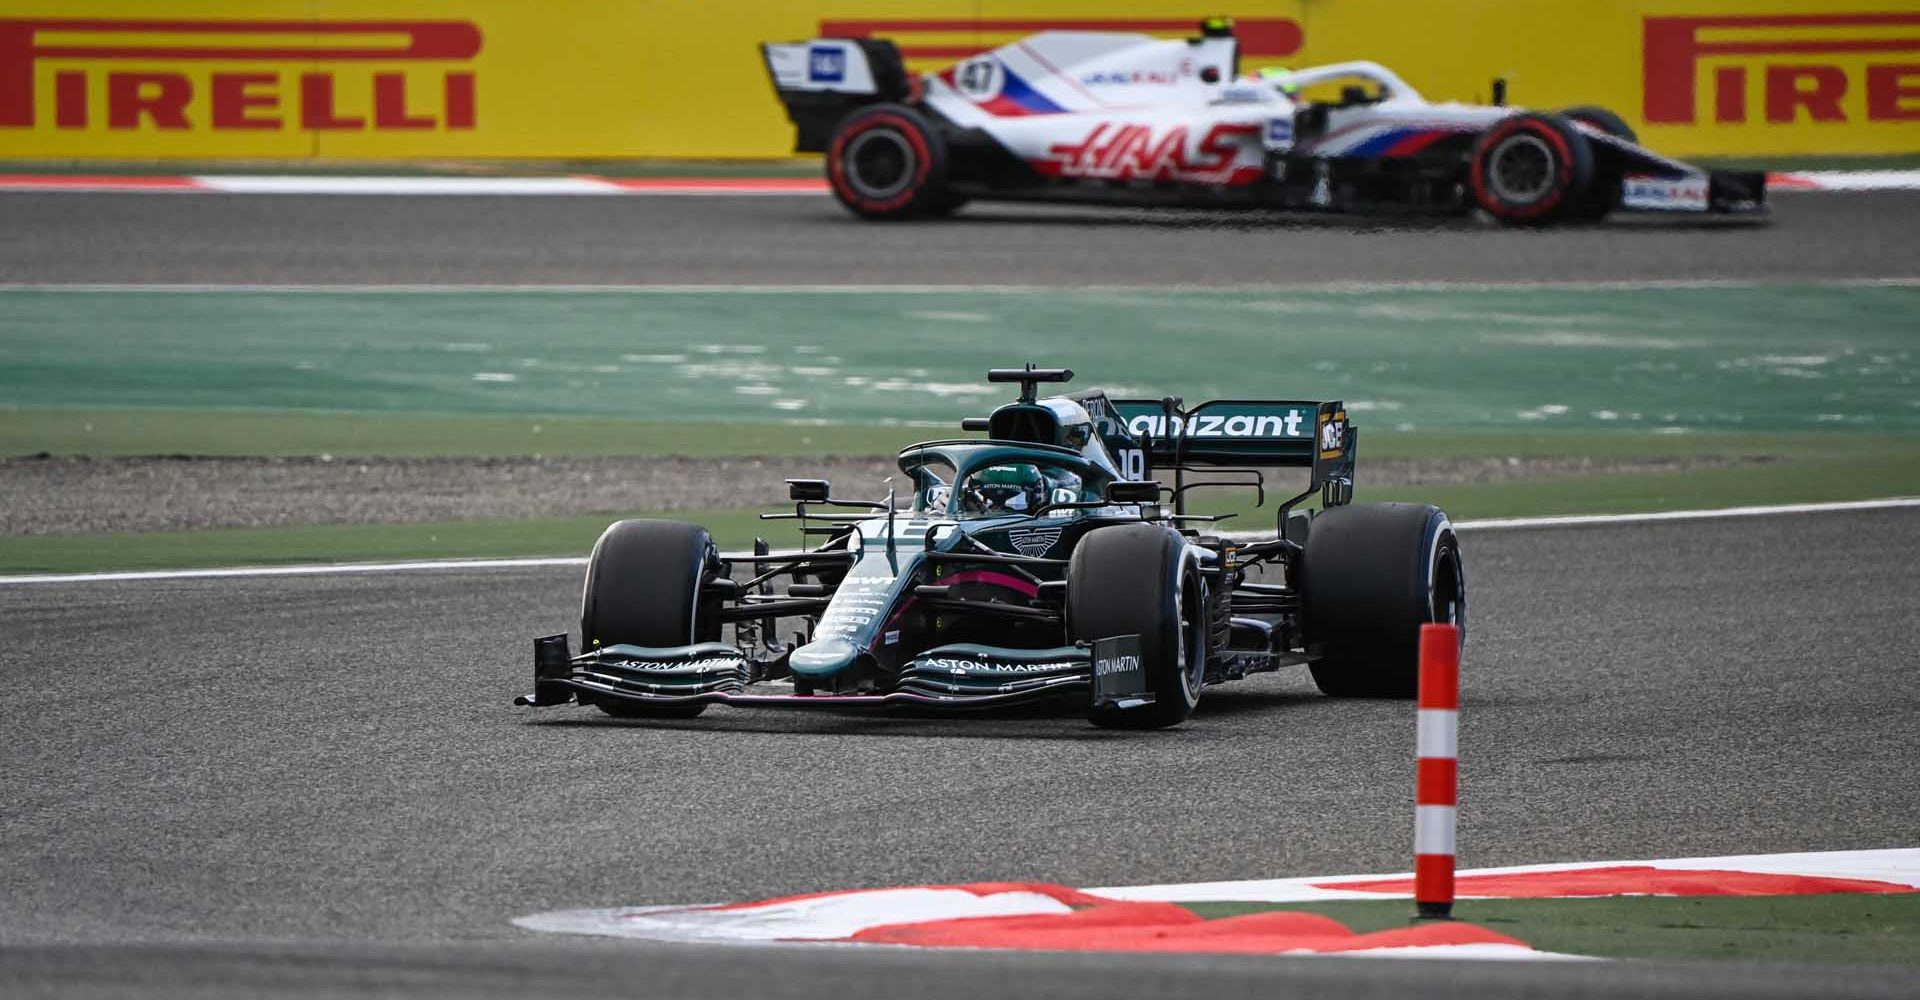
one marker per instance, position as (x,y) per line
(808,490)
(1125,492)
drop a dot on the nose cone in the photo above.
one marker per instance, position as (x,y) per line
(823,657)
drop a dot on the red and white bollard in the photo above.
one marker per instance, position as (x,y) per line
(1436,790)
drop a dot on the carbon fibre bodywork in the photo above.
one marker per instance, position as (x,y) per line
(959,599)
(1118,118)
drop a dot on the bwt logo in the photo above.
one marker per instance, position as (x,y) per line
(826,64)
(237,100)
(1794,78)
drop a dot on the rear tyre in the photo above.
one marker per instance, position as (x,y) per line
(887,162)
(1603,196)
(1373,574)
(1138,578)
(643,589)
(1530,169)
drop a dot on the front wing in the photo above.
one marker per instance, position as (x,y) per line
(960,676)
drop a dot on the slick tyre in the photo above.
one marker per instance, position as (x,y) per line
(643,589)
(1372,575)
(1138,579)
(1603,195)
(1602,119)
(887,162)
(1531,169)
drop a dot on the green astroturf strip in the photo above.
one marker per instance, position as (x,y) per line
(325,543)
(1751,359)
(1852,475)
(1818,380)
(1841,928)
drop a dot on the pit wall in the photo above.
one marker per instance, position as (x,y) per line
(583,79)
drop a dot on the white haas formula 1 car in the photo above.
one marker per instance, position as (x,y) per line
(1132,119)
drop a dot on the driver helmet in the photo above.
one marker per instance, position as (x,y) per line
(1278,76)
(1018,487)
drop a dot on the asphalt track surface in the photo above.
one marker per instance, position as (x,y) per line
(293,239)
(302,786)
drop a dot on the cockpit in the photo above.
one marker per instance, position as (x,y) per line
(1001,483)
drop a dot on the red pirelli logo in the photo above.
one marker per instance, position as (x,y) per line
(1797,83)
(305,98)
(1258,37)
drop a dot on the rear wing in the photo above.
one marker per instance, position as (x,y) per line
(820,81)
(1145,434)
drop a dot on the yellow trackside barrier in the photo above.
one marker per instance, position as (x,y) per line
(563,79)
(1694,77)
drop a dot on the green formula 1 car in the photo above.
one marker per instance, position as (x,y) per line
(1042,560)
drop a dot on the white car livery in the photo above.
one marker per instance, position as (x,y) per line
(1133,119)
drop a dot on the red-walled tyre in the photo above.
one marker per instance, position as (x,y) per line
(1531,168)
(1605,193)
(888,162)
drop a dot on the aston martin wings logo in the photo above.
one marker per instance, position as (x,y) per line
(1033,541)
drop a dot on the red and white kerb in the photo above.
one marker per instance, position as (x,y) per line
(1437,778)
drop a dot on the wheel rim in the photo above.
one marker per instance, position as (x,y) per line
(1192,645)
(1521,169)
(880,163)
(1447,601)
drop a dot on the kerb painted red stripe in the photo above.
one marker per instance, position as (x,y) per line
(1166,927)
(1634,880)
(97,181)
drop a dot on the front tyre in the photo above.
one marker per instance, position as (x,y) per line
(1372,575)
(1531,169)
(1604,194)
(643,589)
(1138,579)
(887,162)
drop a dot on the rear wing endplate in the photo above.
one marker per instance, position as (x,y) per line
(820,81)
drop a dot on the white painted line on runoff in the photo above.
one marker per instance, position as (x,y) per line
(1569,520)
(322,569)
(1580,520)
(1332,287)
(333,569)
(1857,180)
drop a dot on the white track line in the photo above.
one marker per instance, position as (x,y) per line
(1583,520)
(328,569)
(1569,520)
(1855,180)
(1491,524)
(1331,287)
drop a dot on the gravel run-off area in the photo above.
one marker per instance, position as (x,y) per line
(66,495)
